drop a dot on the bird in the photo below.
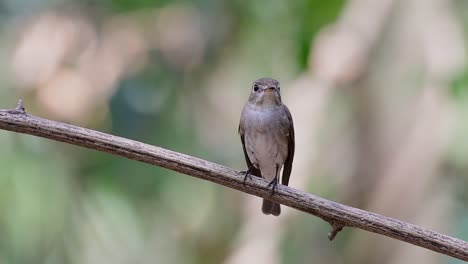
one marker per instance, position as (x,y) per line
(266,130)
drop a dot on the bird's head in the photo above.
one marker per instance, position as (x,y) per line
(265,92)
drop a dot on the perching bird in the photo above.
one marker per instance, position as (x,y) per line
(267,134)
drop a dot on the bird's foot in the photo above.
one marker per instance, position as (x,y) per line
(273,184)
(247,174)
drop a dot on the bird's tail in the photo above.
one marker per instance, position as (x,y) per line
(269,207)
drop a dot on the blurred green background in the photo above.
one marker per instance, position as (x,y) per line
(378,91)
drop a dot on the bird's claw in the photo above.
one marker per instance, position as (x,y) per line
(247,174)
(273,183)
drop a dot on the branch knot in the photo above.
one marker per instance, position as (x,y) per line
(19,110)
(336,228)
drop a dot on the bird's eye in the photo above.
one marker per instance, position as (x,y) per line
(279,88)
(255,88)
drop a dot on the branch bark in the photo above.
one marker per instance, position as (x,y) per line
(339,215)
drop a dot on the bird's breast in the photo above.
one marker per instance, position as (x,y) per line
(266,136)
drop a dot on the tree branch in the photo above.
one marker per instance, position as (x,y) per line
(338,215)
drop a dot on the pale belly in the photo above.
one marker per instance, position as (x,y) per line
(267,146)
(266,137)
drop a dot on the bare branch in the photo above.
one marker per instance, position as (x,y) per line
(338,215)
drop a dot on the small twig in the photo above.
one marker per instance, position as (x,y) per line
(336,228)
(338,214)
(19,108)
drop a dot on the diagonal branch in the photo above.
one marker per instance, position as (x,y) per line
(338,215)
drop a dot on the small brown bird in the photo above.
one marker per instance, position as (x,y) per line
(267,133)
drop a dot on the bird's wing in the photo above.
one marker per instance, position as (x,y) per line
(254,171)
(291,145)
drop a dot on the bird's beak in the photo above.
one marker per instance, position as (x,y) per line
(270,90)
